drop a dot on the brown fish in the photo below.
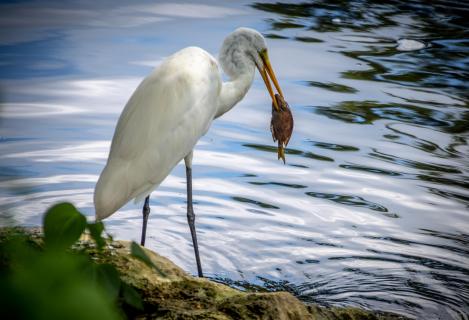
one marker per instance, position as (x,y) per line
(281,125)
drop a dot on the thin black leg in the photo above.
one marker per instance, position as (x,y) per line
(146,213)
(191,219)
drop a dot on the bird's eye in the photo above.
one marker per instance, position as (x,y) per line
(263,54)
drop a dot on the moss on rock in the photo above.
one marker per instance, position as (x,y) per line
(170,293)
(173,294)
(177,295)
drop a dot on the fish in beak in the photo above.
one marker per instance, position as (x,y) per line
(281,124)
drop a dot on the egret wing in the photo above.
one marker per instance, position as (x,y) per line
(168,112)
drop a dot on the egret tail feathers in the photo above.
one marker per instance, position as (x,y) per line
(115,188)
(112,191)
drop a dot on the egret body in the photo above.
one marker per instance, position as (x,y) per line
(168,113)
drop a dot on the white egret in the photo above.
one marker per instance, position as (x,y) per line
(168,113)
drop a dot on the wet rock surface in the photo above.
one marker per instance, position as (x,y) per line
(168,292)
(173,294)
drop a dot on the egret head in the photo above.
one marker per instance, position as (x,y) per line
(246,48)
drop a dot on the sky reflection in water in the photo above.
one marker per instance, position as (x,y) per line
(372,207)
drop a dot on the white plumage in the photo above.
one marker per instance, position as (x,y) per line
(168,113)
(163,120)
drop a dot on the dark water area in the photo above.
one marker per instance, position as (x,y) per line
(371,208)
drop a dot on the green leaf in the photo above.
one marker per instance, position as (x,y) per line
(63,225)
(138,253)
(108,278)
(96,229)
(104,276)
(131,296)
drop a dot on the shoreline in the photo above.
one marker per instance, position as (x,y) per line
(168,292)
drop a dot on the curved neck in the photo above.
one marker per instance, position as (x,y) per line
(234,90)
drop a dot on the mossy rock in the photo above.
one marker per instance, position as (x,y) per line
(168,292)
(173,294)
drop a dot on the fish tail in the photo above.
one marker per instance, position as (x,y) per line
(281,153)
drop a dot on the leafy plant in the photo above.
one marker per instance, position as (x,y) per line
(46,279)
(138,253)
(63,225)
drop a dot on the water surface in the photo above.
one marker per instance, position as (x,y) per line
(371,209)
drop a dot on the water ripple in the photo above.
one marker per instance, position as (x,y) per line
(348,200)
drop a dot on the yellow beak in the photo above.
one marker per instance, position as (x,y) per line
(267,72)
